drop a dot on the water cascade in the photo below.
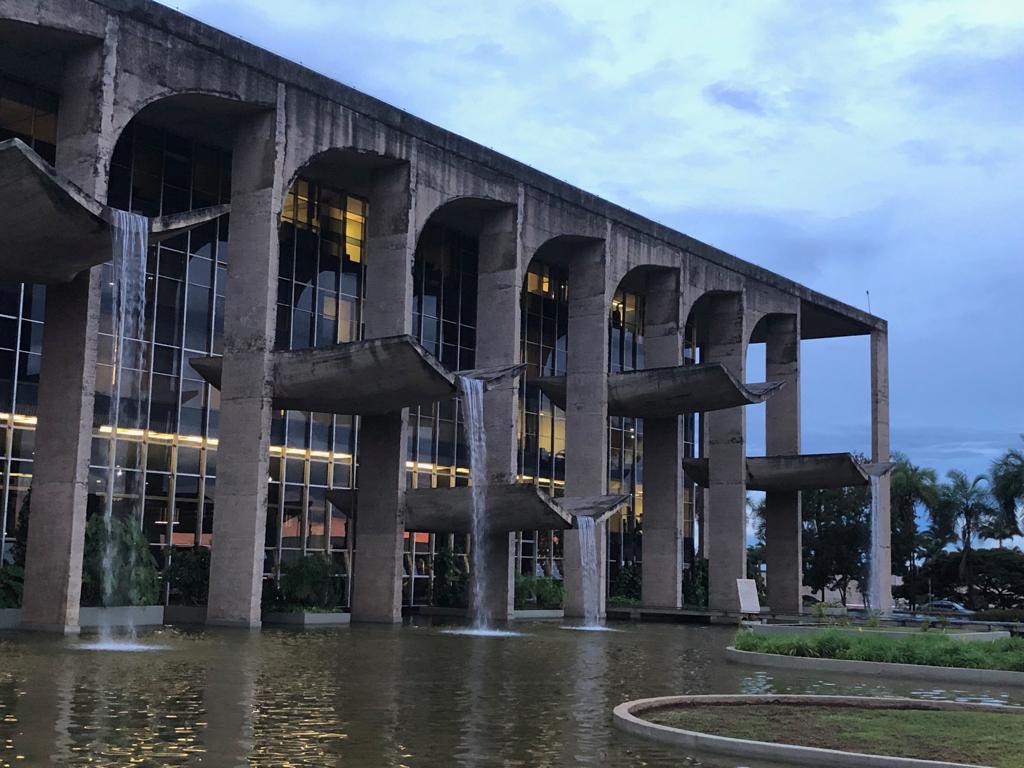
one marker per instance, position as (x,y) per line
(471,393)
(874,553)
(130,234)
(588,570)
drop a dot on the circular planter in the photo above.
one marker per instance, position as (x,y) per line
(629,717)
(961,675)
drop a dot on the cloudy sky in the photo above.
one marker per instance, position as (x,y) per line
(865,146)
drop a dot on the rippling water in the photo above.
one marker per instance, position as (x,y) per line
(371,696)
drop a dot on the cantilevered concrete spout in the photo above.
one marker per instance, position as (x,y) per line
(509,508)
(363,377)
(671,391)
(803,472)
(50,230)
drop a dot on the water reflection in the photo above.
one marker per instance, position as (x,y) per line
(375,696)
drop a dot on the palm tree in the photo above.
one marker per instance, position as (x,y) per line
(911,488)
(1007,475)
(970,506)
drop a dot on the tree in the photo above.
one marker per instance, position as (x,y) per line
(970,506)
(1000,576)
(837,535)
(1007,475)
(912,489)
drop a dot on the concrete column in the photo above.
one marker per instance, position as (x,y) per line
(387,311)
(53,566)
(499,291)
(783,522)
(881,571)
(663,453)
(586,413)
(726,514)
(239,523)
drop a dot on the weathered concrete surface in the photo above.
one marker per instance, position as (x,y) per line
(76,235)
(586,412)
(56,536)
(664,392)
(726,516)
(783,521)
(368,378)
(661,585)
(510,508)
(239,525)
(881,571)
(387,311)
(498,326)
(802,472)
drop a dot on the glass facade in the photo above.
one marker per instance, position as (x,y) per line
(30,114)
(541,427)
(321,278)
(444,322)
(625,433)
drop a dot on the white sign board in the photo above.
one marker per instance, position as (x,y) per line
(748,596)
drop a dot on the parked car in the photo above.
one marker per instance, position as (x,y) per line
(946,607)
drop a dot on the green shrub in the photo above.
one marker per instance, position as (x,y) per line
(932,649)
(451,586)
(617,601)
(628,582)
(189,576)
(12,580)
(1000,614)
(542,592)
(310,582)
(134,579)
(695,584)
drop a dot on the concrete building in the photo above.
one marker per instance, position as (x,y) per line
(351,223)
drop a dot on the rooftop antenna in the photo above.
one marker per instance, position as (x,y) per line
(869,301)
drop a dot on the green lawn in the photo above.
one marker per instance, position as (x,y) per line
(928,648)
(978,738)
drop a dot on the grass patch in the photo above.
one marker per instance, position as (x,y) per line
(924,648)
(979,738)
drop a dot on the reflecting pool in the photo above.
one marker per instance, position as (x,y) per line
(372,696)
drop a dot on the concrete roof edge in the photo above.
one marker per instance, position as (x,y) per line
(281,68)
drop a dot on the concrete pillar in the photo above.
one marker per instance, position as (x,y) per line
(56,537)
(499,292)
(663,453)
(586,413)
(726,514)
(239,523)
(881,571)
(387,311)
(783,524)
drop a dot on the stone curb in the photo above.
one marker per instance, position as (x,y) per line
(626,717)
(878,668)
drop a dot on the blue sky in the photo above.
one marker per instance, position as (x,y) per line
(854,147)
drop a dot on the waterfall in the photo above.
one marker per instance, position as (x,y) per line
(588,569)
(130,234)
(874,578)
(471,393)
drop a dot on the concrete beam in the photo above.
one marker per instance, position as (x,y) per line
(726,516)
(366,378)
(586,412)
(56,535)
(665,392)
(76,235)
(387,311)
(798,472)
(661,586)
(783,522)
(239,525)
(881,570)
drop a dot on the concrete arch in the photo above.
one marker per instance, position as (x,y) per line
(469,214)
(209,115)
(563,250)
